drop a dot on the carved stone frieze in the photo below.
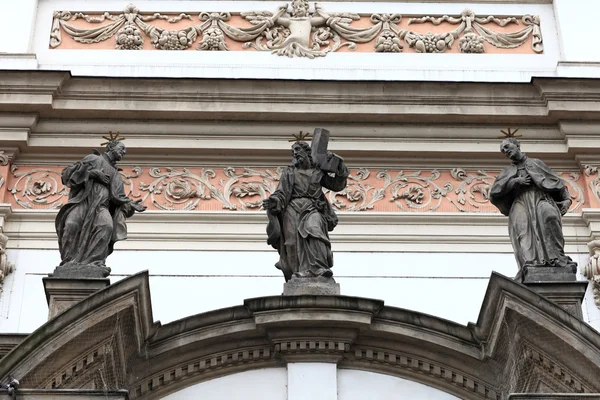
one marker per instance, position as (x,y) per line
(295,30)
(243,189)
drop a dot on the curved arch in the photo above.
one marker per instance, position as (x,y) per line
(356,333)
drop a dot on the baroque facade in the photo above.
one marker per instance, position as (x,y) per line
(209,95)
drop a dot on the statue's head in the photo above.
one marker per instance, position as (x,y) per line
(300,8)
(116,150)
(511,148)
(301,155)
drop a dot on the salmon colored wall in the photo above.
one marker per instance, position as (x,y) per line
(241,189)
(238,21)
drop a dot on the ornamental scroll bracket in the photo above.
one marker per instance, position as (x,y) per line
(296,30)
(592,269)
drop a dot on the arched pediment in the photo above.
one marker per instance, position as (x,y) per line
(109,341)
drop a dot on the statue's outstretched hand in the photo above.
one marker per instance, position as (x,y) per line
(137,206)
(272,204)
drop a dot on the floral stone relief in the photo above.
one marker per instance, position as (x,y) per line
(296,30)
(243,189)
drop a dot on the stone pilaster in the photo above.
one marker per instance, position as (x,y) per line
(559,286)
(62,294)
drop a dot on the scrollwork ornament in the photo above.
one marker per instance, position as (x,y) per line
(576,191)
(38,188)
(6,267)
(415,191)
(473,190)
(592,269)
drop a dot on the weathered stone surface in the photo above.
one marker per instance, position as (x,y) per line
(568,295)
(297,287)
(534,198)
(300,215)
(516,325)
(63,293)
(548,274)
(71,394)
(93,219)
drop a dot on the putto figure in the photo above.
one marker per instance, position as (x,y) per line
(534,198)
(94,217)
(300,216)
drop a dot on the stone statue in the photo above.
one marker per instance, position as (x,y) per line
(300,216)
(534,198)
(94,217)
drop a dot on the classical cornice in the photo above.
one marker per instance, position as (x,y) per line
(471,362)
(53,117)
(367,231)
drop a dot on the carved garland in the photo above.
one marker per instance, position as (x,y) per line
(244,188)
(297,32)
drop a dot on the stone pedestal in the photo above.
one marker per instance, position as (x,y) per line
(311,286)
(557,285)
(62,293)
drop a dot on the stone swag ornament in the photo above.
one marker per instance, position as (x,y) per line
(534,198)
(300,216)
(93,219)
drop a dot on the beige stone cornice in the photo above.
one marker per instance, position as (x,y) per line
(55,118)
(360,231)
(470,362)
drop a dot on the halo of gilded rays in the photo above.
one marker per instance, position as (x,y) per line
(509,133)
(300,137)
(112,137)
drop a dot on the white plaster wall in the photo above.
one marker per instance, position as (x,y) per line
(361,385)
(577,20)
(322,378)
(335,66)
(447,285)
(260,384)
(327,383)
(17,27)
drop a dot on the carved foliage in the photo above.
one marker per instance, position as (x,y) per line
(456,190)
(296,31)
(475,31)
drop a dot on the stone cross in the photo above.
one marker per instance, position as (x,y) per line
(318,148)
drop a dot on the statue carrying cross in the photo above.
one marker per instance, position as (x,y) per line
(300,216)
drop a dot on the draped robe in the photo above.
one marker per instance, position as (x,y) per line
(94,217)
(534,219)
(300,231)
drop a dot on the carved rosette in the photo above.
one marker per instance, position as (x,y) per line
(297,31)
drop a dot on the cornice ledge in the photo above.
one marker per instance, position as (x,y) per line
(504,293)
(131,292)
(72,394)
(352,218)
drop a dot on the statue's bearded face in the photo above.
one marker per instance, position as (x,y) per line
(300,157)
(511,150)
(118,152)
